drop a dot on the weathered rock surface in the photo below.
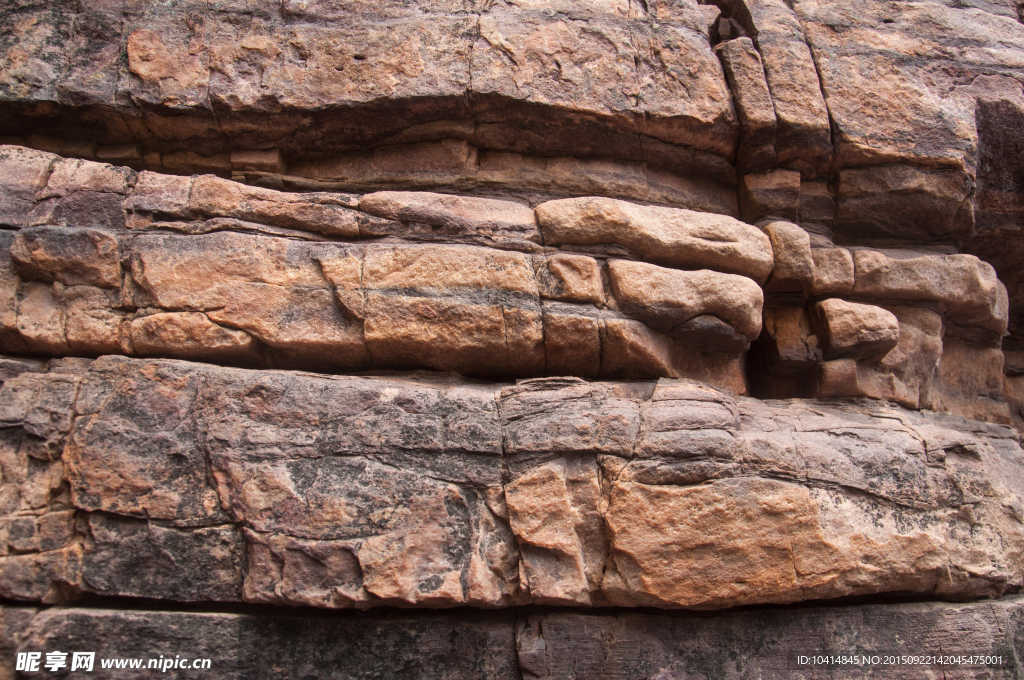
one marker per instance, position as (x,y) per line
(271,301)
(210,269)
(550,644)
(454,214)
(758,121)
(770,194)
(358,187)
(672,237)
(803,136)
(188,482)
(605,79)
(850,329)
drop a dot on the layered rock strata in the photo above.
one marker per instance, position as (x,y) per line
(743,278)
(206,268)
(187,482)
(107,260)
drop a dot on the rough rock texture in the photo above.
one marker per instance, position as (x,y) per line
(191,87)
(107,260)
(743,279)
(187,482)
(680,238)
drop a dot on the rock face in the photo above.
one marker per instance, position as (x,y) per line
(107,260)
(188,482)
(515,309)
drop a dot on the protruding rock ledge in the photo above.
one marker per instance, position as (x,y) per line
(108,260)
(631,83)
(673,237)
(271,301)
(296,489)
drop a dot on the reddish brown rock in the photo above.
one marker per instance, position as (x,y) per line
(803,137)
(71,256)
(454,214)
(41,317)
(190,483)
(440,491)
(754,104)
(833,271)
(534,56)
(851,329)
(904,202)
(23,173)
(905,374)
(160,195)
(969,381)
(770,194)
(452,332)
(189,335)
(794,265)
(572,340)
(214,197)
(665,299)
(965,287)
(554,511)
(272,289)
(94,319)
(851,44)
(272,301)
(817,205)
(673,237)
(570,278)
(259,160)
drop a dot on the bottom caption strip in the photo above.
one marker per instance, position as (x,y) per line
(860,660)
(87,661)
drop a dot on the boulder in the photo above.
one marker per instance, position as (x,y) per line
(665,299)
(833,271)
(965,287)
(794,265)
(852,329)
(667,236)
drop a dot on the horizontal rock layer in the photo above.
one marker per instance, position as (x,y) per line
(186,482)
(108,260)
(765,643)
(611,78)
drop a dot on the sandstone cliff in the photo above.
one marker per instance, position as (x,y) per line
(574,313)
